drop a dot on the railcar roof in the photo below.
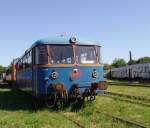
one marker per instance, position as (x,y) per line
(63,40)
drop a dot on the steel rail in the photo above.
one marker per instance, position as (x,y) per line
(131,85)
(140,98)
(128,100)
(75,122)
(130,122)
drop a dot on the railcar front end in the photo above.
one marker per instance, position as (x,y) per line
(68,70)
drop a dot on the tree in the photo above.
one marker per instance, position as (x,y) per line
(2,69)
(118,63)
(106,66)
(131,62)
(143,60)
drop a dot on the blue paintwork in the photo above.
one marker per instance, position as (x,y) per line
(39,86)
(24,78)
(64,77)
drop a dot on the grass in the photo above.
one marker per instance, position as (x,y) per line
(20,110)
(40,119)
(132,90)
(125,110)
(90,118)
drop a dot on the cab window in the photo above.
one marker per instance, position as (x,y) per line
(86,54)
(61,54)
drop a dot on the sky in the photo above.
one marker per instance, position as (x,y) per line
(118,25)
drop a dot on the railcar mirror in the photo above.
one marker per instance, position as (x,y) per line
(48,54)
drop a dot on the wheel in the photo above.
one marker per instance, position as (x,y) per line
(51,101)
(62,100)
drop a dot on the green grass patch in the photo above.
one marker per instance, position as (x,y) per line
(20,110)
(125,110)
(137,91)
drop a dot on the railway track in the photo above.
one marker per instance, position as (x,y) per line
(140,98)
(75,122)
(131,85)
(129,98)
(129,122)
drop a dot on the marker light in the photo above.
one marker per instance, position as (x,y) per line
(73,40)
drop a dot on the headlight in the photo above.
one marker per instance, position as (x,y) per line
(54,75)
(94,73)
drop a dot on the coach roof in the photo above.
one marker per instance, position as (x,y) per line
(62,40)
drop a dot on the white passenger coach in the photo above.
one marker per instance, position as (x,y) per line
(132,71)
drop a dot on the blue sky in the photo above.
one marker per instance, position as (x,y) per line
(119,25)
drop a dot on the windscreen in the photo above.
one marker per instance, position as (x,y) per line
(61,54)
(86,54)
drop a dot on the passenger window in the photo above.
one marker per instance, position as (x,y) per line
(41,55)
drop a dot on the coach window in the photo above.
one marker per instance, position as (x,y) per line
(21,65)
(18,65)
(24,61)
(29,59)
(41,55)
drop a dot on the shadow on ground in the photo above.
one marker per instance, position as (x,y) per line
(13,99)
(18,100)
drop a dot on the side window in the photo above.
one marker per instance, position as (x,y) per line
(30,59)
(27,60)
(41,56)
(20,65)
(24,61)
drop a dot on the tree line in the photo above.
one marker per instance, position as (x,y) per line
(118,62)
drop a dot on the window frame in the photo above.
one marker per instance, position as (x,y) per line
(97,52)
(23,64)
(35,55)
(49,57)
